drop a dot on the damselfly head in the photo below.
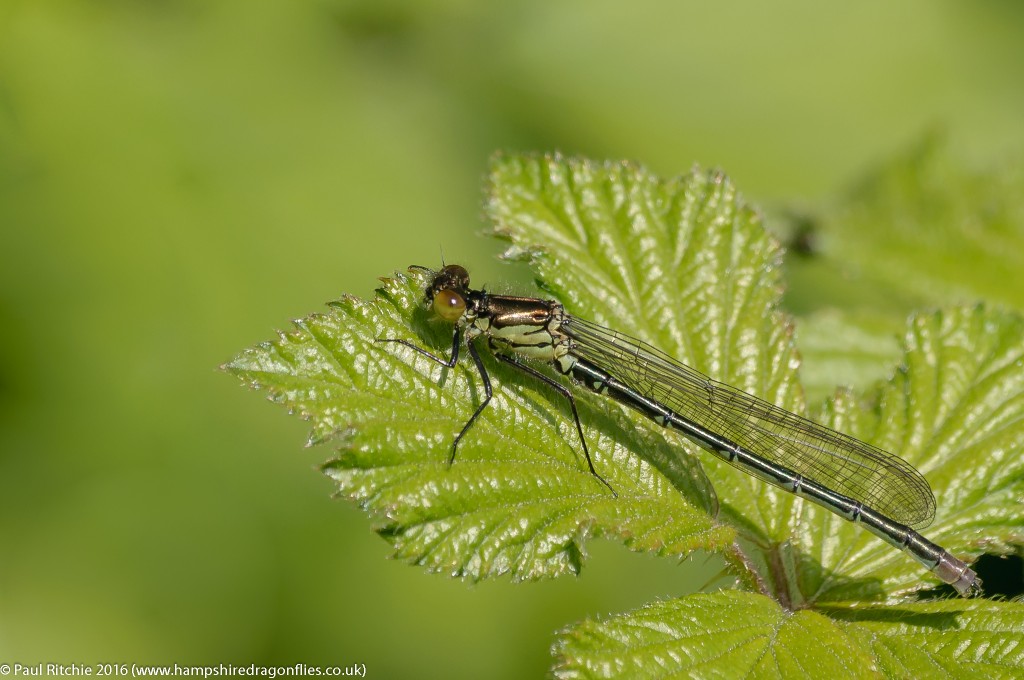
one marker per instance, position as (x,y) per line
(447,292)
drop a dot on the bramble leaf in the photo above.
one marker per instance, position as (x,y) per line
(954,410)
(736,634)
(683,264)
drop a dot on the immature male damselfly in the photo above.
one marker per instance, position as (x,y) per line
(852,479)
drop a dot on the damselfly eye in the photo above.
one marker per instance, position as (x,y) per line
(449,305)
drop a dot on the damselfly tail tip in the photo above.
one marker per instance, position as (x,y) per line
(972,589)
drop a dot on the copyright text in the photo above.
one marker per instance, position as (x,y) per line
(124,670)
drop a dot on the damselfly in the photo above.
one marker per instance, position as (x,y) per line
(854,480)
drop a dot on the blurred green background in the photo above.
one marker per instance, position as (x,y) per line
(179,177)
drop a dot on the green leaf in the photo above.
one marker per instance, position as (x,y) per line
(951,638)
(724,634)
(735,634)
(519,499)
(954,410)
(682,263)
